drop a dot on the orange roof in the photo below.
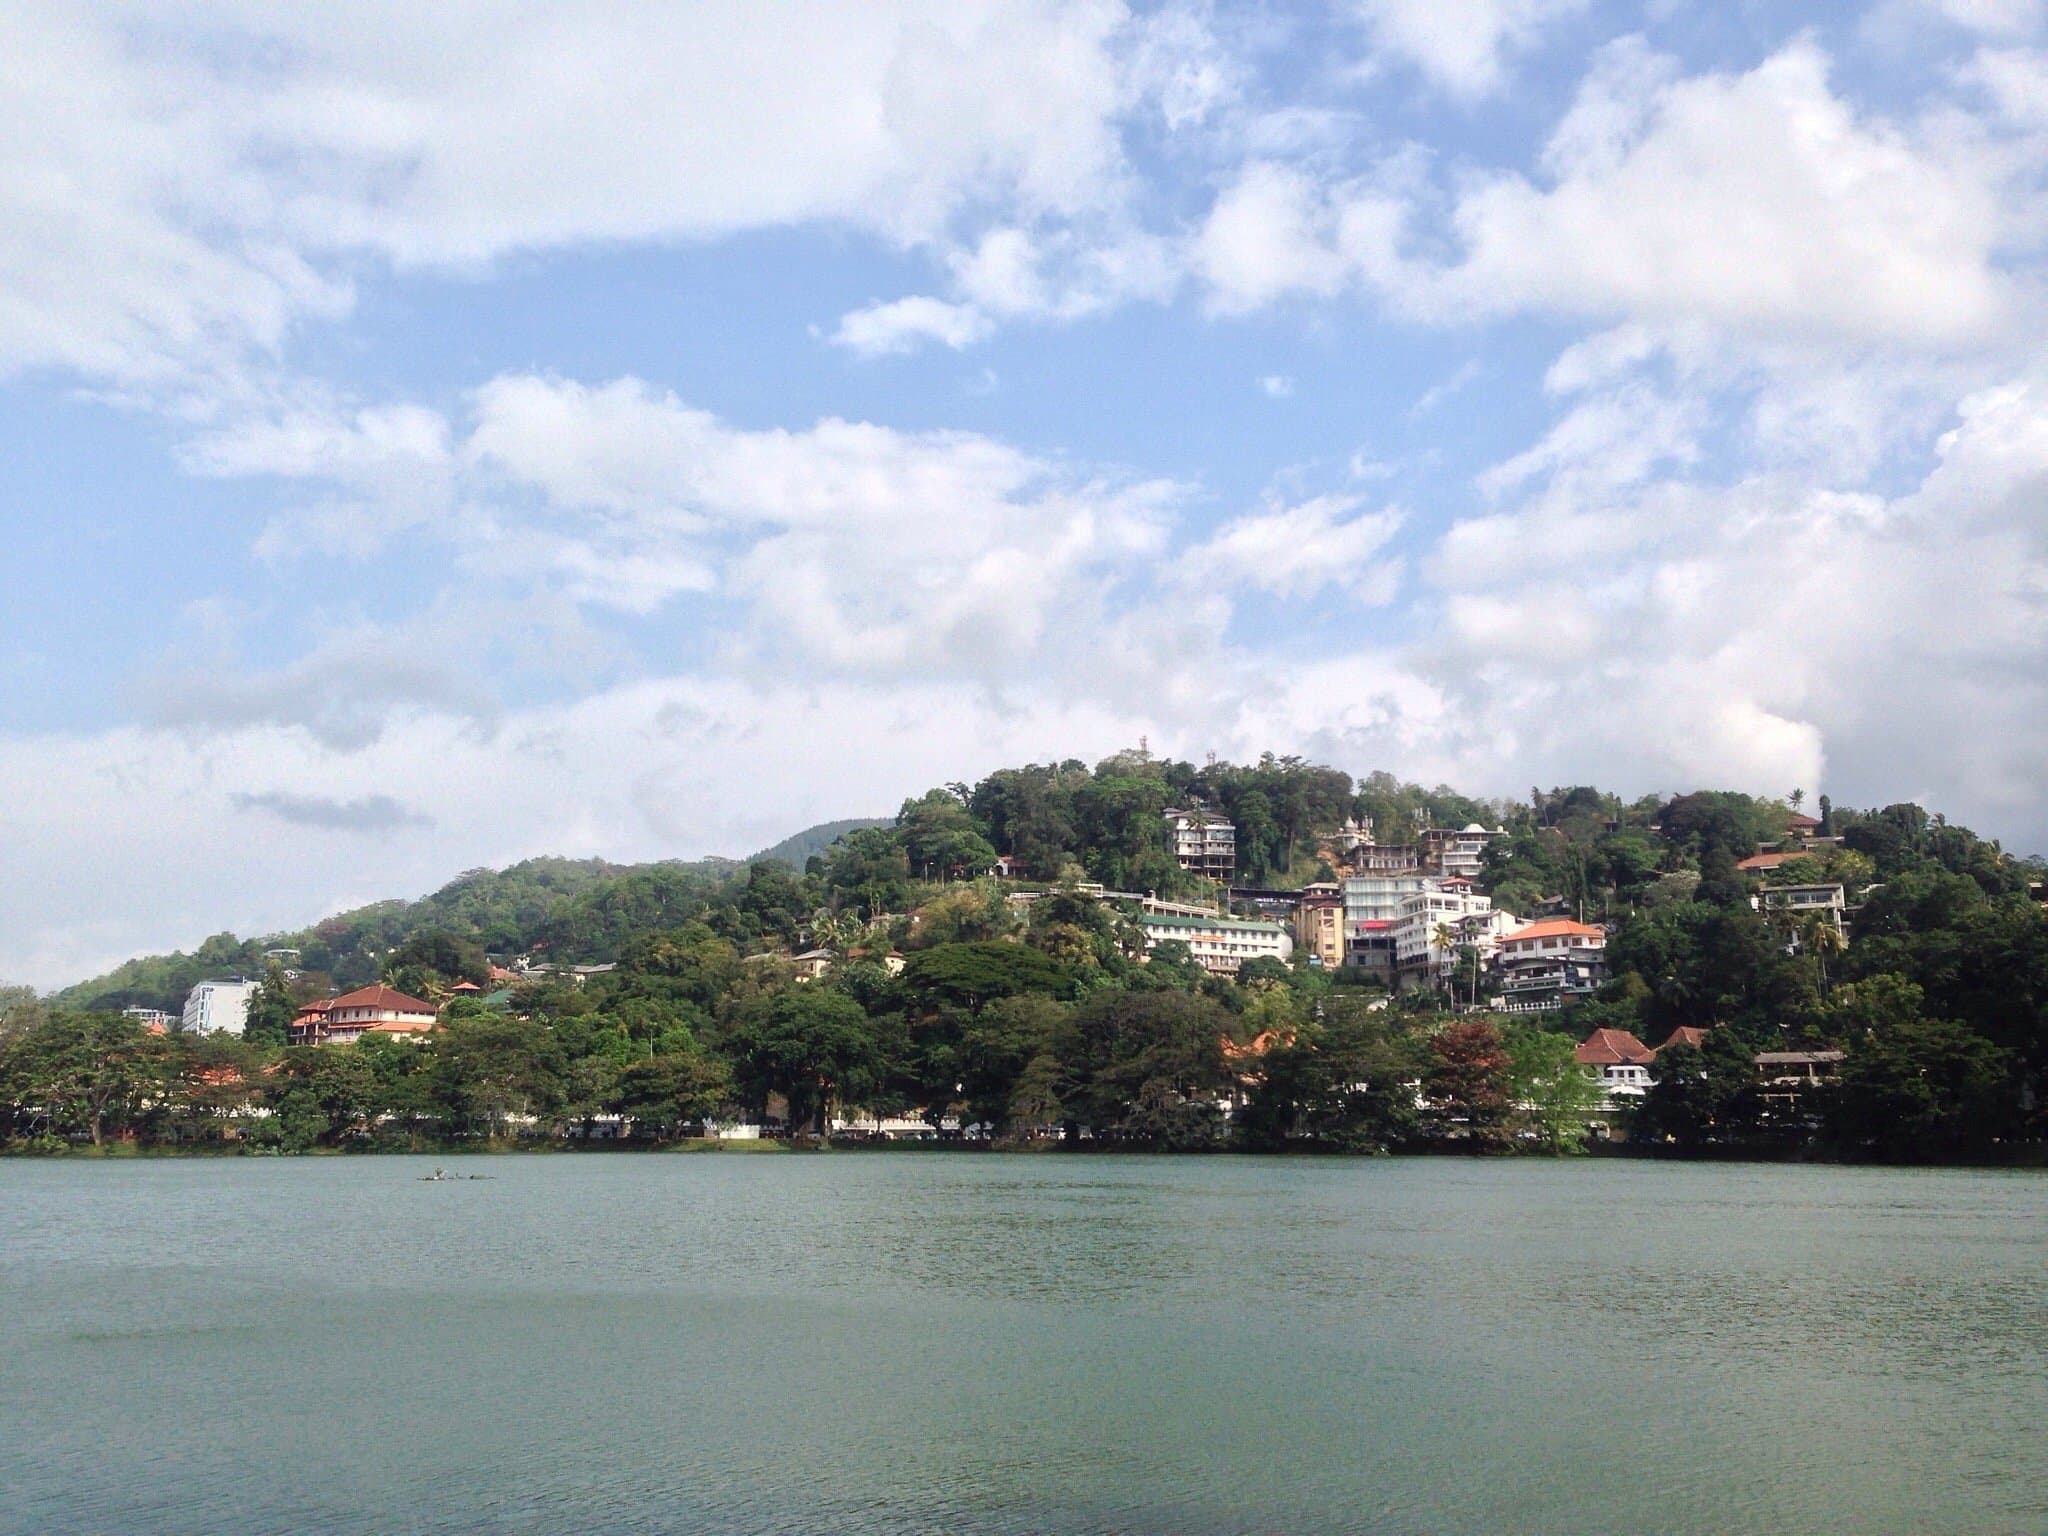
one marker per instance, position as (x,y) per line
(1612,1048)
(1557,928)
(1766,860)
(1685,1034)
(381,997)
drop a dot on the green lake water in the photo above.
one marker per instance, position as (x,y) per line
(959,1343)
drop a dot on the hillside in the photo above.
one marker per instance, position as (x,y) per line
(798,849)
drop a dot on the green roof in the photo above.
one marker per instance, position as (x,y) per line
(1151,920)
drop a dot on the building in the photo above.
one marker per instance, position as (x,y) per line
(1620,1060)
(155,1020)
(1438,921)
(1461,853)
(1373,910)
(1786,1077)
(812,964)
(1795,903)
(218,1007)
(1219,944)
(375,1010)
(1383,859)
(1764,863)
(1203,843)
(1319,925)
(1550,963)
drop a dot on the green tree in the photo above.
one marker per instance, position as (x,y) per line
(271,1009)
(812,1045)
(1555,1098)
(80,1074)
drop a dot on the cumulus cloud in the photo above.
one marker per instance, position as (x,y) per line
(1298,551)
(1462,46)
(167,216)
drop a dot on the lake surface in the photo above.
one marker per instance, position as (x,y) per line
(959,1343)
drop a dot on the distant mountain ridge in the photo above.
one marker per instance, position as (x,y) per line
(569,908)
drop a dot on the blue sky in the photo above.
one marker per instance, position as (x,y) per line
(432,437)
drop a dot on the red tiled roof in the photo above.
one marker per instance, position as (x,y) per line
(1766,860)
(380,997)
(1804,823)
(1557,928)
(1612,1048)
(1685,1034)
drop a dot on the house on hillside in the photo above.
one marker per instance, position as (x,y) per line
(1202,842)
(1550,963)
(1685,1034)
(378,1010)
(1620,1060)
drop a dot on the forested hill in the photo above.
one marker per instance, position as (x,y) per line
(572,909)
(798,850)
(1931,991)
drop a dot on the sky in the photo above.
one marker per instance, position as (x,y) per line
(436,435)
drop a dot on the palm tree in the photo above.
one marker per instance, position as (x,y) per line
(1825,939)
(1445,938)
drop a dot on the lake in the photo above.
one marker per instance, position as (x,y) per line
(879,1343)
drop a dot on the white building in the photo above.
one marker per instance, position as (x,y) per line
(1460,854)
(1202,842)
(1551,963)
(1448,908)
(1219,944)
(1826,902)
(218,1007)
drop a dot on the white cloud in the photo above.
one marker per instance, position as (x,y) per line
(1275,386)
(178,194)
(1462,45)
(1295,552)
(901,324)
(1760,204)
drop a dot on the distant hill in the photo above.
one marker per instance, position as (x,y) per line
(796,850)
(570,909)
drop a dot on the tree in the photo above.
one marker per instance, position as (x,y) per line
(1701,1094)
(321,1096)
(1920,1090)
(491,1067)
(666,1092)
(1555,1098)
(80,1073)
(813,1046)
(1467,1087)
(1344,1082)
(271,1009)
(1148,1066)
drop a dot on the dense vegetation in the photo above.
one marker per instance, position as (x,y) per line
(1034,1020)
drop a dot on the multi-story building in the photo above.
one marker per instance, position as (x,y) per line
(377,1010)
(1797,902)
(218,1007)
(1457,853)
(1550,963)
(1319,925)
(1439,921)
(1219,944)
(155,1020)
(1202,842)
(1383,859)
